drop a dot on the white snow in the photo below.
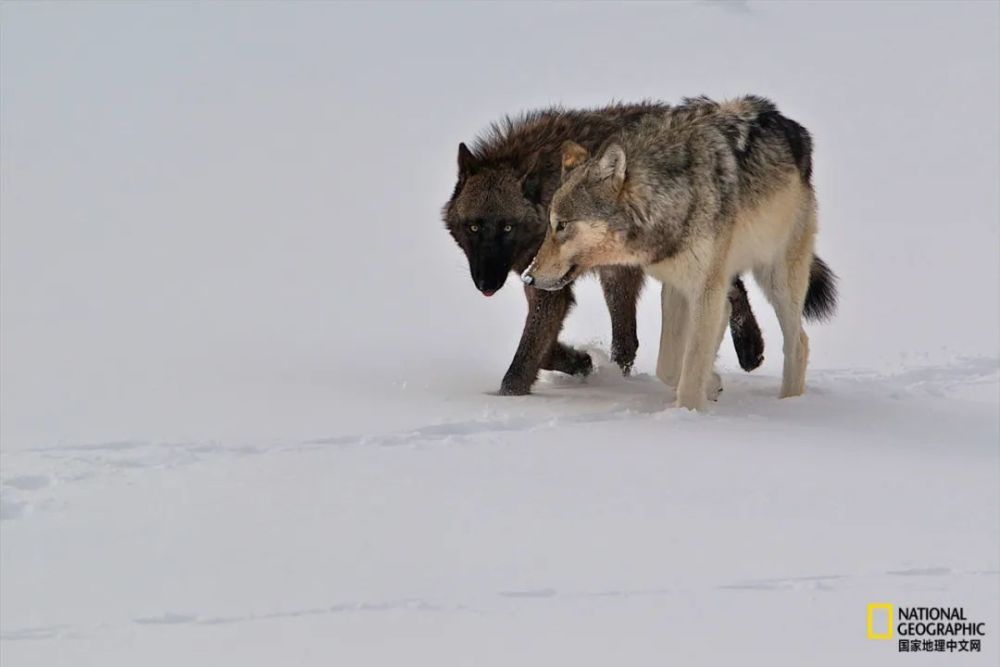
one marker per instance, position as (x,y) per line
(247,408)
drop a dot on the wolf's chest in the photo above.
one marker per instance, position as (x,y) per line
(687,266)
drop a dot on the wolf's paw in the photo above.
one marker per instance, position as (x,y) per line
(580,365)
(749,349)
(515,386)
(566,360)
(690,402)
(625,366)
(713,387)
(694,396)
(623,354)
(791,392)
(514,390)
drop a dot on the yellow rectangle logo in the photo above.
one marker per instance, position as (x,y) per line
(889,611)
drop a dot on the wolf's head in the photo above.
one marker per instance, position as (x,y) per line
(495,217)
(587,220)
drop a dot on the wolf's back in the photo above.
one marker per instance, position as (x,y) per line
(755,124)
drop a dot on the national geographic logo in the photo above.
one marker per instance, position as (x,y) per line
(926,629)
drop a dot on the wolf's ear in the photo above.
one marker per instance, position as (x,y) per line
(612,163)
(573,155)
(466,161)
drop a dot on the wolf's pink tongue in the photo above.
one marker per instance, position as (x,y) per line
(489,292)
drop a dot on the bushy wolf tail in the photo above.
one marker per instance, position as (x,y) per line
(821,297)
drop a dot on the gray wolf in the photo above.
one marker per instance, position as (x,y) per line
(498,215)
(696,195)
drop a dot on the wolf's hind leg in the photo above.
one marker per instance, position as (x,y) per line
(621,286)
(673,335)
(747,339)
(785,283)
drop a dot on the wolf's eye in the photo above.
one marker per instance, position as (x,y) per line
(561,225)
(474,228)
(507,228)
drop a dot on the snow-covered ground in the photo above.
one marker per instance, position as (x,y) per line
(584,525)
(247,409)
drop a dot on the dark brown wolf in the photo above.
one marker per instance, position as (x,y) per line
(499,213)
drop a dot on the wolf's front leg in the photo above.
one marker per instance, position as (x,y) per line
(546,312)
(673,335)
(714,384)
(621,286)
(706,322)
